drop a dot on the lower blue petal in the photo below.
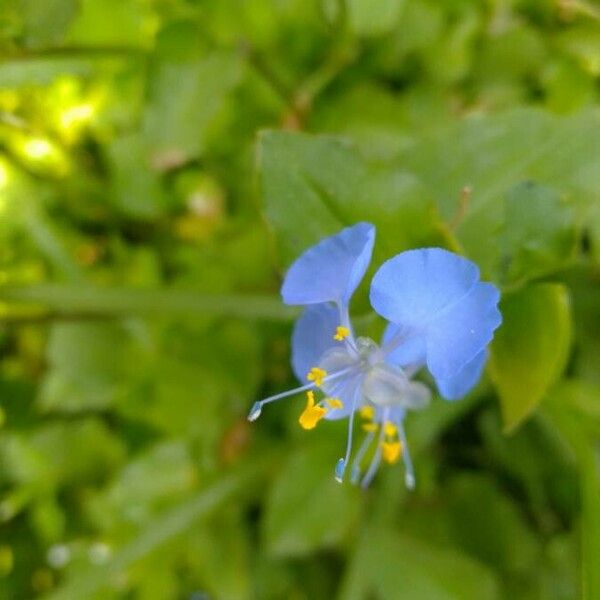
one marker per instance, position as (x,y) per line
(312,337)
(460,333)
(459,385)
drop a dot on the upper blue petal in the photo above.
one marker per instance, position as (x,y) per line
(434,295)
(462,382)
(332,269)
(458,334)
(312,337)
(410,351)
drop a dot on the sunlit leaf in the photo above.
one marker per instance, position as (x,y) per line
(530,350)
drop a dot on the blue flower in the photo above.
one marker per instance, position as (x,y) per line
(441,317)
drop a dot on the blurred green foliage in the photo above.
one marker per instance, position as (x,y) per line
(161,163)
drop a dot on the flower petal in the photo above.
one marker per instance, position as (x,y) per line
(312,337)
(411,350)
(332,269)
(462,382)
(346,391)
(411,288)
(435,295)
(463,331)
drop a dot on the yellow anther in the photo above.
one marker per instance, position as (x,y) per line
(367,412)
(334,403)
(390,429)
(317,375)
(391,451)
(312,414)
(369,427)
(341,333)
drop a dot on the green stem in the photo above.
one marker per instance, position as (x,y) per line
(94,302)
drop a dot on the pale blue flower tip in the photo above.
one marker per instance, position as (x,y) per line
(340,468)
(255,411)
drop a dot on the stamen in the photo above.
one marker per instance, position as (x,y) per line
(367,412)
(390,429)
(317,375)
(340,467)
(312,414)
(256,409)
(369,427)
(366,443)
(257,406)
(409,473)
(341,333)
(391,452)
(376,460)
(334,403)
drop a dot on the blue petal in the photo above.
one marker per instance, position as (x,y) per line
(411,351)
(331,270)
(346,391)
(312,337)
(460,384)
(435,295)
(463,331)
(413,287)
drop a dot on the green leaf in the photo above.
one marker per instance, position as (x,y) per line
(573,409)
(167,526)
(486,522)
(538,235)
(312,186)
(111,22)
(135,187)
(493,153)
(530,350)
(370,19)
(307,509)
(388,566)
(90,365)
(177,132)
(46,22)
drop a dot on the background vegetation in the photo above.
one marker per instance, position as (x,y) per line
(161,163)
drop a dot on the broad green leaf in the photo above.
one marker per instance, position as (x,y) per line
(368,18)
(530,350)
(46,22)
(177,132)
(573,408)
(135,187)
(538,234)
(389,566)
(112,22)
(486,521)
(89,366)
(493,153)
(313,186)
(159,475)
(307,509)
(60,453)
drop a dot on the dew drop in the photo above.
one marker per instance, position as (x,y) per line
(340,467)
(409,479)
